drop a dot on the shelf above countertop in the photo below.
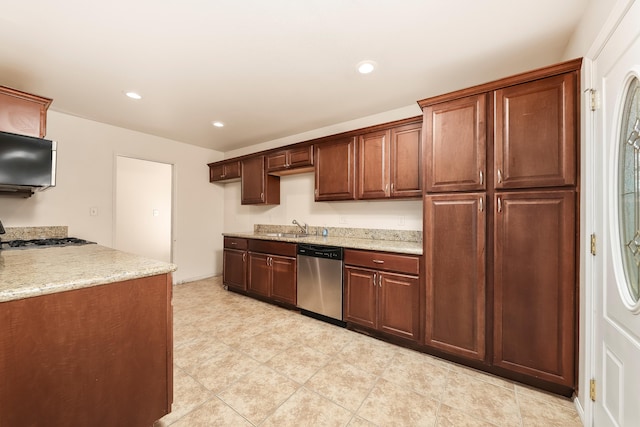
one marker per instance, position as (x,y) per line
(396,246)
(41,271)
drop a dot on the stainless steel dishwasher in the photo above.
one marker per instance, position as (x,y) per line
(320,281)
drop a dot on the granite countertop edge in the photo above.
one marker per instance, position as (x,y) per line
(397,246)
(43,271)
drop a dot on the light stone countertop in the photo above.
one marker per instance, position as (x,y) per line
(397,246)
(28,273)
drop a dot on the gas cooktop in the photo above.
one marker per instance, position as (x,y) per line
(43,243)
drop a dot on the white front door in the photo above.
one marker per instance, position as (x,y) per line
(616,77)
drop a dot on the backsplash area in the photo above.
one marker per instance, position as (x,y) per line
(29,233)
(353,233)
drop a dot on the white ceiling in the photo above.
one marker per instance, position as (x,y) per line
(266,68)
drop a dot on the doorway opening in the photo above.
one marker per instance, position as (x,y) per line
(143,208)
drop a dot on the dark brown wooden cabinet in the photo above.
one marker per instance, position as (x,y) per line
(406,160)
(257,186)
(535,133)
(96,356)
(293,160)
(535,284)
(455,246)
(389,163)
(521,130)
(455,144)
(234,263)
(224,171)
(272,270)
(335,170)
(23,113)
(382,292)
(374,165)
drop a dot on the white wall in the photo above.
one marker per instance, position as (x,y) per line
(297,202)
(296,192)
(85,179)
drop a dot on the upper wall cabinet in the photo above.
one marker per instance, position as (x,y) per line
(293,160)
(389,163)
(224,171)
(406,160)
(258,188)
(23,113)
(335,169)
(536,121)
(455,145)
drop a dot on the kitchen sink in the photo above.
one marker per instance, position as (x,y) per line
(290,235)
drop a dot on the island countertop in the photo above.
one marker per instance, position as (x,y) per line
(41,271)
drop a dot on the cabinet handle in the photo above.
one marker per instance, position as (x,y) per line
(234,243)
(244,257)
(499,176)
(380,280)
(481,178)
(386,187)
(261,196)
(375,278)
(378,261)
(499,204)
(481,204)
(392,187)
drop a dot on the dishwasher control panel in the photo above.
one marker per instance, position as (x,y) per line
(319,251)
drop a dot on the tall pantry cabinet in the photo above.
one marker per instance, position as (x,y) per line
(501,227)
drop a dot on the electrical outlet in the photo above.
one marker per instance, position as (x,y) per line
(93,211)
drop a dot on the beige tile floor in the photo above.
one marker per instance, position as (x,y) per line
(242,362)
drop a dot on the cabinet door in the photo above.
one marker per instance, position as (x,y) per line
(277,161)
(234,271)
(406,158)
(373,165)
(257,186)
(335,170)
(399,305)
(224,171)
(301,157)
(360,292)
(259,274)
(454,248)
(535,133)
(455,144)
(283,279)
(535,284)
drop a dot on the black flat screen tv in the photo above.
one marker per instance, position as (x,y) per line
(26,162)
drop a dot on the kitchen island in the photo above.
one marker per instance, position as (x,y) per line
(86,337)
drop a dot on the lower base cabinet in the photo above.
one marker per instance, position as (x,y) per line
(234,263)
(96,356)
(382,292)
(272,270)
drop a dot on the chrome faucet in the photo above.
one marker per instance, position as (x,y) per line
(1,228)
(304,228)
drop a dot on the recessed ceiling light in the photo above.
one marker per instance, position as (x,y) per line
(217,124)
(133,95)
(365,67)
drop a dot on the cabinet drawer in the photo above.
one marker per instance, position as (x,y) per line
(272,247)
(383,261)
(235,243)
